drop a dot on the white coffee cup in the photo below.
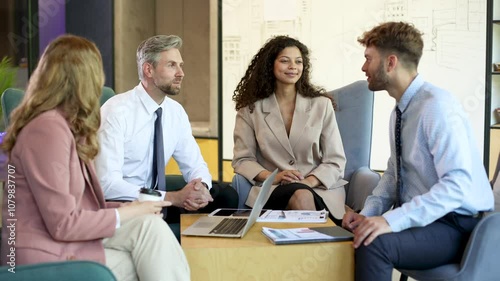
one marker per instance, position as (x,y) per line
(147,194)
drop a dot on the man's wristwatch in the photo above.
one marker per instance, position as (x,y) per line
(206,185)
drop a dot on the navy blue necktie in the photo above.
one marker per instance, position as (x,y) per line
(158,155)
(399,182)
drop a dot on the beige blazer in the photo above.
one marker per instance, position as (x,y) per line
(314,146)
(58,203)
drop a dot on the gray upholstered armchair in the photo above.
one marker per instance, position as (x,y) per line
(478,261)
(354,116)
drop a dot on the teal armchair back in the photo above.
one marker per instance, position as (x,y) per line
(11,98)
(174,182)
(107,93)
(67,270)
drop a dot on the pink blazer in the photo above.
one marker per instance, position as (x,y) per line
(57,211)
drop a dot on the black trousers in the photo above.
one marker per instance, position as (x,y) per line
(224,197)
(441,242)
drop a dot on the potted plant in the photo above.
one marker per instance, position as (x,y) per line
(7,80)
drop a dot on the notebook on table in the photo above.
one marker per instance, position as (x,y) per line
(307,235)
(232,226)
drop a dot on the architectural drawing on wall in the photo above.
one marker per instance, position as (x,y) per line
(454,48)
(444,24)
(396,10)
(267,18)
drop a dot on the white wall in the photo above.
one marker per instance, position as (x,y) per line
(454,52)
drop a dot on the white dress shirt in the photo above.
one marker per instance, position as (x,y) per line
(441,166)
(124,163)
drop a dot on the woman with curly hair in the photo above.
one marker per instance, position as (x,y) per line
(60,212)
(285,122)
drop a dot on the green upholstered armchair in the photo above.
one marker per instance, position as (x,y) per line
(107,93)
(11,98)
(67,270)
(173,183)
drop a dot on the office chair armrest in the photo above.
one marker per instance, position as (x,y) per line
(361,184)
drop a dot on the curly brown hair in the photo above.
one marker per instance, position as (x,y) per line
(400,38)
(259,81)
(68,77)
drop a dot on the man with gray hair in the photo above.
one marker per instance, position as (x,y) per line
(143,128)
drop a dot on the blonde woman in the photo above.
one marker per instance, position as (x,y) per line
(59,206)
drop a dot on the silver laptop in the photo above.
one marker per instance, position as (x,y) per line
(232,226)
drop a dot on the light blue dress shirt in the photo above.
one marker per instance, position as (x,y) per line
(442,169)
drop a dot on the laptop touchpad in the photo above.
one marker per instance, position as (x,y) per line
(204,224)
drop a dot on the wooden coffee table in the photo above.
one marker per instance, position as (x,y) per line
(254,257)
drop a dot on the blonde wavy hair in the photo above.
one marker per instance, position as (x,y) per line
(69,77)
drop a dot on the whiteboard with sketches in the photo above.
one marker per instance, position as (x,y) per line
(454,53)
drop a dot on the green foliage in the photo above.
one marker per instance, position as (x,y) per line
(7,74)
(7,77)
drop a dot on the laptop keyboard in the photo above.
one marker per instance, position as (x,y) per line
(229,226)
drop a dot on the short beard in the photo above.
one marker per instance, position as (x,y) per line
(380,80)
(168,89)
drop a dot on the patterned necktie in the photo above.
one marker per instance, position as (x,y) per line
(158,155)
(399,182)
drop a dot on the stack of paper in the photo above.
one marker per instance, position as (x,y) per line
(294,216)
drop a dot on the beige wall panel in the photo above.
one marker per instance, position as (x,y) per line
(192,20)
(197,50)
(494,151)
(169,17)
(170,20)
(214,68)
(134,22)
